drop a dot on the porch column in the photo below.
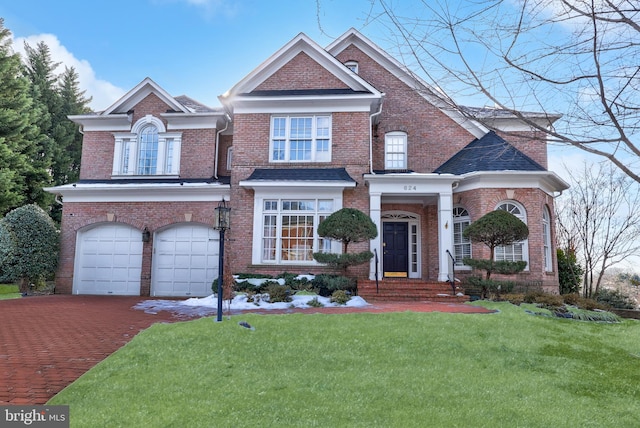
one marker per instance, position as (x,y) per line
(445,233)
(374,244)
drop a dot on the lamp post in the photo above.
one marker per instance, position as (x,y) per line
(221,223)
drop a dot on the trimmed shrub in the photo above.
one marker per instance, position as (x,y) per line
(514,299)
(29,244)
(341,297)
(315,303)
(326,284)
(278,293)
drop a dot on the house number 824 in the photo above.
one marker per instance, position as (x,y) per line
(409,187)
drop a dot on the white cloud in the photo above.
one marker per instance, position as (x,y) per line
(103,92)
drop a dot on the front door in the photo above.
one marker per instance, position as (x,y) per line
(395,243)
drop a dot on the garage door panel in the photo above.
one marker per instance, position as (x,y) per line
(108,260)
(185,261)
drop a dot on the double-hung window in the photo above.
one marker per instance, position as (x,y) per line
(289,229)
(461,245)
(300,138)
(395,150)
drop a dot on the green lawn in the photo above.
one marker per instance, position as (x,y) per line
(9,291)
(509,369)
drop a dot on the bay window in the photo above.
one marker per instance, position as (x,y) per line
(289,229)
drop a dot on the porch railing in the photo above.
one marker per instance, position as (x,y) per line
(452,272)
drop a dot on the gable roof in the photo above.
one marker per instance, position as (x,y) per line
(140,92)
(433,96)
(244,93)
(489,153)
(182,111)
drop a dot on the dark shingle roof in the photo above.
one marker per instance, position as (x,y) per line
(194,105)
(489,153)
(301,174)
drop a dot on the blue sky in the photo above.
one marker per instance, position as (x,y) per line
(199,48)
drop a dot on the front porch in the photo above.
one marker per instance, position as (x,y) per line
(408,290)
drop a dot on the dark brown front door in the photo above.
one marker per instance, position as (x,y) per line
(395,243)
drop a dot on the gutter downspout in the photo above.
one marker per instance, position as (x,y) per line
(371,116)
(217,154)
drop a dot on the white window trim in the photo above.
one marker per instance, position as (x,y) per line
(287,148)
(395,134)
(523,217)
(300,194)
(229,158)
(546,239)
(122,140)
(353,66)
(462,219)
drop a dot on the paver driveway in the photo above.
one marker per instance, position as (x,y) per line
(47,342)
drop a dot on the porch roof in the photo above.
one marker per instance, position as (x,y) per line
(489,153)
(300,174)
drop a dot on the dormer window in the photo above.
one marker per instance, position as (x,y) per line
(352,65)
(148,150)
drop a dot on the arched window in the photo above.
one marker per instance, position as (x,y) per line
(352,65)
(546,239)
(461,245)
(148,150)
(395,150)
(517,251)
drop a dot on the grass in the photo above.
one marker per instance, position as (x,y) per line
(9,291)
(509,369)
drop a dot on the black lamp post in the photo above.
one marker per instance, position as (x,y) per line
(221,223)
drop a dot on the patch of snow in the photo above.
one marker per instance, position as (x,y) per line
(206,306)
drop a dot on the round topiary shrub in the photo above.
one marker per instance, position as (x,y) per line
(341,297)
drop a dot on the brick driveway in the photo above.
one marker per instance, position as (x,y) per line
(47,342)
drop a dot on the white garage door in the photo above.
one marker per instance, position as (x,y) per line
(108,260)
(185,261)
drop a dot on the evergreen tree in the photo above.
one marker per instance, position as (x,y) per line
(21,179)
(67,168)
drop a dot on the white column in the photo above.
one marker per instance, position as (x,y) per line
(445,233)
(374,213)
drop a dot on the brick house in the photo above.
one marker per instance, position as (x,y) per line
(311,130)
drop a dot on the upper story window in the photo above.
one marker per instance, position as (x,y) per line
(519,250)
(395,150)
(147,150)
(461,245)
(300,139)
(352,65)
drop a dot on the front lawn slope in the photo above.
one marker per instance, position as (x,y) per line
(508,369)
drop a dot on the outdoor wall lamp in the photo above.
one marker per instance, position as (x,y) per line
(221,222)
(146,235)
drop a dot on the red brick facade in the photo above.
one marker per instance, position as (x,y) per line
(433,137)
